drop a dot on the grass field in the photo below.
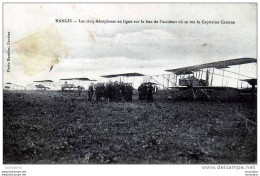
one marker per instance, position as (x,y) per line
(46,127)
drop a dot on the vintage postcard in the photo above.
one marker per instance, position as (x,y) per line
(130,83)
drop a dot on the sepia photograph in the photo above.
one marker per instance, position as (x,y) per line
(129,83)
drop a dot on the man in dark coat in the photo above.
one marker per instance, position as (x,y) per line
(128,92)
(139,92)
(109,92)
(102,91)
(123,91)
(90,91)
(118,95)
(97,92)
(142,89)
(149,93)
(80,90)
(131,92)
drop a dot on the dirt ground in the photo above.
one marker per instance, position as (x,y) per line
(46,127)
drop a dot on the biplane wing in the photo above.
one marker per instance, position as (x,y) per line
(66,79)
(124,74)
(49,81)
(81,79)
(218,65)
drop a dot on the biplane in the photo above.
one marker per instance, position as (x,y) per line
(11,86)
(42,85)
(67,86)
(74,83)
(123,77)
(198,80)
(8,85)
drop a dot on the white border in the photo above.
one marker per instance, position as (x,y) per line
(118,170)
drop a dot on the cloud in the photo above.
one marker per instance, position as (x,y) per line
(145,35)
(153,44)
(151,48)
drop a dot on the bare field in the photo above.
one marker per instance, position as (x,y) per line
(47,127)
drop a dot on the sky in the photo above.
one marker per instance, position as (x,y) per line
(100,49)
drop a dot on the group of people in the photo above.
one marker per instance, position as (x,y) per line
(111,92)
(119,91)
(146,92)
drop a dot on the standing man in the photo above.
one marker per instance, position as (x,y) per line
(79,90)
(149,93)
(102,91)
(142,89)
(118,94)
(90,92)
(123,91)
(140,93)
(97,91)
(109,93)
(113,92)
(128,92)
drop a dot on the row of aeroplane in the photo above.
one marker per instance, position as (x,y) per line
(196,76)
